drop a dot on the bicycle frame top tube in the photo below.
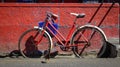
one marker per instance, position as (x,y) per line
(59,36)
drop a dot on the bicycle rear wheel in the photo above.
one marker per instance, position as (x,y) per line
(35,43)
(88,41)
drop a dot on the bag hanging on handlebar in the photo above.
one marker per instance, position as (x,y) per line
(51,28)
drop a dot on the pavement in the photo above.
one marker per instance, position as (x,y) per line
(63,61)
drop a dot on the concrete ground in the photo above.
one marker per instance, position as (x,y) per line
(60,62)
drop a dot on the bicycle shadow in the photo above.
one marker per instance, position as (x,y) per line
(30,50)
(33,52)
(12,54)
(109,52)
(97,10)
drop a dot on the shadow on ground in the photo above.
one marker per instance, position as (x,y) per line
(109,52)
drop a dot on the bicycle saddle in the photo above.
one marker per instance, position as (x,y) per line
(54,16)
(78,15)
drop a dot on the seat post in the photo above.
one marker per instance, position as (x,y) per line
(75,20)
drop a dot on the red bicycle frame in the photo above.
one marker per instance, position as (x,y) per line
(60,37)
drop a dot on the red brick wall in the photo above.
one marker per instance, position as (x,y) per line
(16,18)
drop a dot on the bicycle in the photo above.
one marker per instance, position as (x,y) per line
(82,40)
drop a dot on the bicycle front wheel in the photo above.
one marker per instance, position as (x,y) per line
(88,41)
(35,43)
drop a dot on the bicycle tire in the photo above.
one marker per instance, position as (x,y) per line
(84,49)
(28,46)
